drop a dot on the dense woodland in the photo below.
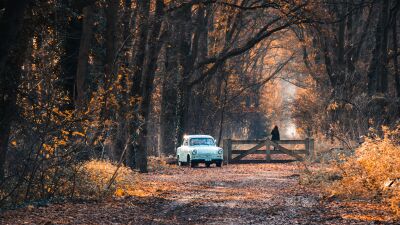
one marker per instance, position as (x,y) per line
(124,80)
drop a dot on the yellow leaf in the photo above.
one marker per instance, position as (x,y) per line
(119,192)
(76,133)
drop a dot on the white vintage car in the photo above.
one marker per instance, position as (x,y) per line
(197,149)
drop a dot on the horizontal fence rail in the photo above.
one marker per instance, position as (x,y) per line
(233,141)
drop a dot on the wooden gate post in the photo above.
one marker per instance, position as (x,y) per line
(267,152)
(309,143)
(311,148)
(225,147)
(227,151)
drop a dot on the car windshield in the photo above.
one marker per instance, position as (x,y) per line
(201,141)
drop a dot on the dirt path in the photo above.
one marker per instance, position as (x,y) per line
(235,194)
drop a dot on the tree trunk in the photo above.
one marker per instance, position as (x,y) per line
(377,74)
(181,112)
(143,8)
(10,25)
(395,55)
(13,45)
(154,46)
(110,70)
(128,24)
(71,31)
(140,46)
(111,37)
(168,97)
(187,54)
(222,114)
(82,70)
(122,136)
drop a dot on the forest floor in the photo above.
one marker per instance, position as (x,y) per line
(234,194)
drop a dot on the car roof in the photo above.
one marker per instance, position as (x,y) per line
(198,136)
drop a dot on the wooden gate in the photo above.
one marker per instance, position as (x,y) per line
(267,148)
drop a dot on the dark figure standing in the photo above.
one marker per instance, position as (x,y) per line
(275,134)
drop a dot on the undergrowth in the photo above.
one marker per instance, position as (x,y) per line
(94,178)
(372,172)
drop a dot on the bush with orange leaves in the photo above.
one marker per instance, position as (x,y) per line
(93,180)
(374,170)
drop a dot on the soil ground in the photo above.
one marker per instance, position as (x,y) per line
(233,194)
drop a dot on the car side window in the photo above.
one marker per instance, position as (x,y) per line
(185,142)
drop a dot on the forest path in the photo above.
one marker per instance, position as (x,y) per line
(234,194)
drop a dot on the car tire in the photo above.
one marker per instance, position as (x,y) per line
(208,164)
(179,162)
(218,164)
(189,162)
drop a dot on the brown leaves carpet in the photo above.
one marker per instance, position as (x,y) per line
(234,194)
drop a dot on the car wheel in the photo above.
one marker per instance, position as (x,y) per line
(208,164)
(219,164)
(190,162)
(179,162)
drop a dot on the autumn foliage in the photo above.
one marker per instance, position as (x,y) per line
(373,172)
(94,177)
(91,91)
